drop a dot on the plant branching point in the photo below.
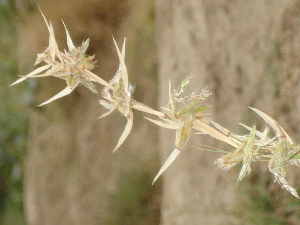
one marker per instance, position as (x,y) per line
(74,66)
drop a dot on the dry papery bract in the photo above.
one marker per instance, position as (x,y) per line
(75,67)
(279,151)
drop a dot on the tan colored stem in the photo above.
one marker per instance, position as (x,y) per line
(141,107)
(201,126)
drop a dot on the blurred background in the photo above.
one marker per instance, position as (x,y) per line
(56,165)
(69,175)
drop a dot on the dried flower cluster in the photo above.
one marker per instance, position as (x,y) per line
(75,67)
(280,151)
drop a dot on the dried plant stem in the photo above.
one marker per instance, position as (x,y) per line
(75,67)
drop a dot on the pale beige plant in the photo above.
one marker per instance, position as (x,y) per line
(73,65)
(280,151)
(120,96)
(182,119)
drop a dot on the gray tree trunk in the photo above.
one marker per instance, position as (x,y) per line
(229,46)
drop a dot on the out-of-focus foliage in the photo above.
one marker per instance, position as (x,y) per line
(263,202)
(135,201)
(13,119)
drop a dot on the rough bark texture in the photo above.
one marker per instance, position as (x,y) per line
(246,53)
(70,174)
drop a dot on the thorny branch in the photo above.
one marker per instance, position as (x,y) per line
(75,67)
